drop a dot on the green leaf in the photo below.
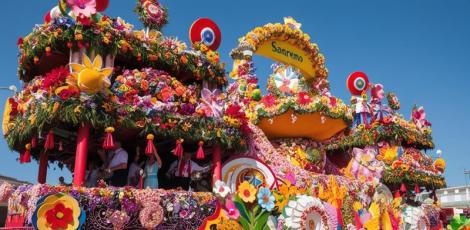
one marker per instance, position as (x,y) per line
(241,207)
(244,223)
(261,221)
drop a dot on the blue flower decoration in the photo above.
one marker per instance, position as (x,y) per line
(265,199)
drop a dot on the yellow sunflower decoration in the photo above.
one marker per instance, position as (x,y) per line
(90,77)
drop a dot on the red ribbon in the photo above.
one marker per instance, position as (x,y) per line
(49,144)
(200,152)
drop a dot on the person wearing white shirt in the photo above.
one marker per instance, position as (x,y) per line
(182,170)
(117,166)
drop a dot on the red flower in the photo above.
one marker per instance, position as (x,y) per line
(166,93)
(59,216)
(20,41)
(68,93)
(55,78)
(82,19)
(303,98)
(268,100)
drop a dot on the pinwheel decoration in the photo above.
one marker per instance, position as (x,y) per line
(286,80)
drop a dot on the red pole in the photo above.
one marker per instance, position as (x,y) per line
(216,160)
(81,155)
(42,173)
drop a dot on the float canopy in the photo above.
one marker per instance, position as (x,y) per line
(308,125)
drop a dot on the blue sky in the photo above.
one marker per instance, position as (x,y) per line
(418,49)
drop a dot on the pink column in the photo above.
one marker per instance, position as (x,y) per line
(81,155)
(42,173)
(216,160)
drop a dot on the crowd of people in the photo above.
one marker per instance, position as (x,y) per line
(142,172)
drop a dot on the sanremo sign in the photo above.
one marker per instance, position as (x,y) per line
(287,53)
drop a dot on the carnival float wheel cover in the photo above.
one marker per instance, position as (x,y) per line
(308,125)
(415,218)
(305,212)
(239,169)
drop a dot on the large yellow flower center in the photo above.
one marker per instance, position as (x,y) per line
(59,215)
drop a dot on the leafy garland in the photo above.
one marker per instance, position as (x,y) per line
(114,36)
(317,104)
(395,132)
(398,176)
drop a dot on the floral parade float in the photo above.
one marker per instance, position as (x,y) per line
(294,158)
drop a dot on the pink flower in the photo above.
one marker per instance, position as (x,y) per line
(85,7)
(232,211)
(304,98)
(268,100)
(290,176)
(184,213)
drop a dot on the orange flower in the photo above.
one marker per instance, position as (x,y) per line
(166,93)
(184,59)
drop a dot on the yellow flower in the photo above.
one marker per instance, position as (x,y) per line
(107,107)
(77,109)
(32,119)
(247,192)
(90,77)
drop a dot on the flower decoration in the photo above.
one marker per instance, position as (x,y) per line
(265,199)
(90,77)
(305,212)
(247,192)
(231,209)
(212,102)
(221,189)
(151,13)
(286,79)
(59,216)
(55,78)
(58,211)
(119,219)
(82,7)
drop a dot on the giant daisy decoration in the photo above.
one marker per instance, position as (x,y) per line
(305,212)
(90,77)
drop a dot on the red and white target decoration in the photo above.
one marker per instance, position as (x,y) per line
(357,83)
(205,30)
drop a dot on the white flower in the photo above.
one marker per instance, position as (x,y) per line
(221,189)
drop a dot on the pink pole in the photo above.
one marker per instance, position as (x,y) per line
(216,160)
(81,155)
(42,173)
